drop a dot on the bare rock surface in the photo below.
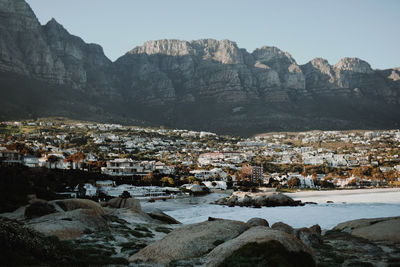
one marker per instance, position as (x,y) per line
(283,227)
(189,241)
(267,199)
(378,229)
(162,217)
(258,222)
(38,208)
(125,203)
(73,204)
(69,225)
(262,245)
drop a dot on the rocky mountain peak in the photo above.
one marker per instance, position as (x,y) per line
(169,47)
(268,54)
(225,51)
(395,74)
(55,28)
(353,64)
(17,15)
(321,65)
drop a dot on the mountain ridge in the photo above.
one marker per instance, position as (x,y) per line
(200,84)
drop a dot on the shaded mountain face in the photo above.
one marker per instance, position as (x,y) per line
(201,84)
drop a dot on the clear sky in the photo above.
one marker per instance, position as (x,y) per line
(368,29)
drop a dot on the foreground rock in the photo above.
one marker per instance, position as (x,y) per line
(280,226)
(74,218)
(311,237)
(262,246)
(162,217)
(76,203)
(257,222)
(125,203)
(190,241)
(23,246)
(378,229)
(266,199)
(343,249)
(39,208)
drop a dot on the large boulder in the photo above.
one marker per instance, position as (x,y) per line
(125,203)
(22,246)
(190,241)
(71,224)
(267,199)
(257,222)
(310,236)
(74,218)
(73,204)
(280,226)
(39,208)
(262,246)
(161,216)
(377,229)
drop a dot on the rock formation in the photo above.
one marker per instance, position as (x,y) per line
(266,199)
(189,241)
(377,229)
(188,84)
(262,246)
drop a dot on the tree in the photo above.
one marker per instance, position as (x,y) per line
(52,159)
(148,178)
(191,179)
(293,182)
(168,180)
(327,183)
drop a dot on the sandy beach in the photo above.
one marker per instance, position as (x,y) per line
(344,205)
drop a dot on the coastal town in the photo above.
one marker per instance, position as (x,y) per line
(149,161)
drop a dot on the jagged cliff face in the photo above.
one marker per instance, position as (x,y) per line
(172,70)
(194,84)
(48,52)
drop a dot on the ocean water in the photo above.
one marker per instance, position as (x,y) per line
(348,205)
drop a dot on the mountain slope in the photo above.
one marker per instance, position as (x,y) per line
(200,84)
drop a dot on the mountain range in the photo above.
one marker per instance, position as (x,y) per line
(202,84)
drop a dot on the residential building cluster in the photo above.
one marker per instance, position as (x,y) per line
(117,150)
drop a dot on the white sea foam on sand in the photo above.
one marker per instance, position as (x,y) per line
(348,205)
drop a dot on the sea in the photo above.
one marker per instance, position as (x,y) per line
(331,208)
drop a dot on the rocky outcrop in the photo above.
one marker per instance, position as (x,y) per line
(283,227)
(49,52)
(162,217)
(189,241)
(258,222)
(73,219)
(69,225)
(74,203)
(39,208)
(311,236)
(267,199)
(264,247)
(125,203)
(21,245)
(377,229)
(374,245)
